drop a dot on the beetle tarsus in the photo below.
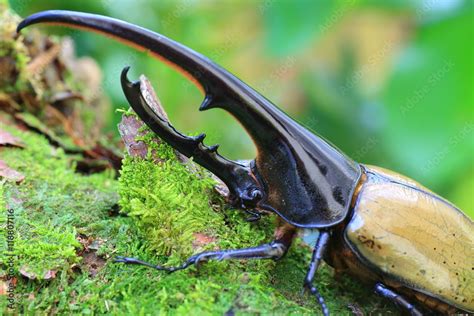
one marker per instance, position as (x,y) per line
(318,253)
(127,260)
(320,299)
(397,299)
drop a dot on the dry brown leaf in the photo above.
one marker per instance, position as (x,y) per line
(8,139)
(50,274)
(201,240)
(3,288)
(10,174)
(24,272)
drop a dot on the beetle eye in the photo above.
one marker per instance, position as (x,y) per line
(251,197)
(256,195)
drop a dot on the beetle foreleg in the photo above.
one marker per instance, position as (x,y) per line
(316,259)
(274,250)
(397,299)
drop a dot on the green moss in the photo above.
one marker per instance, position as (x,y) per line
(167,206)
(13,48)
(50,203)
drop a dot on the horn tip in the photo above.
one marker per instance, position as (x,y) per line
(43,16)
(124,78)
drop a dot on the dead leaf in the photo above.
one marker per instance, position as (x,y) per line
(50,274)
(95,245)
(36,125)
(201,240)
(3,288)
(10,174)
(24,272)
(129,129)
(8,139)
(93,262)
(7,103)
(65,95)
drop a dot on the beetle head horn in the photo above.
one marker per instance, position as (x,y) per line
(304,179)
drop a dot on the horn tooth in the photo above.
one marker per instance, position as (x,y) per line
(200,137)
(207,103)
(213,148)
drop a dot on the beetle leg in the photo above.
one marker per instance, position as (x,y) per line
(316,259)
(274,250)
(397,299)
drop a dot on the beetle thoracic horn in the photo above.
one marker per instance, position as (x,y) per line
(221,88)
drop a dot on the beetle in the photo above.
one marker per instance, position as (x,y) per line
(374,224)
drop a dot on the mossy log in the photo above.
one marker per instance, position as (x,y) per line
(72,215)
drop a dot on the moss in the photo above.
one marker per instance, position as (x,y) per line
(55,207)
(14,49)
(50,203)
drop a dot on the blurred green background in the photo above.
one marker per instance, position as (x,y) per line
(390,82)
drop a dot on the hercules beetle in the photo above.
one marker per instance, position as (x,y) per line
(373,223)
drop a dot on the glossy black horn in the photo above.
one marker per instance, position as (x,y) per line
(221,88)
